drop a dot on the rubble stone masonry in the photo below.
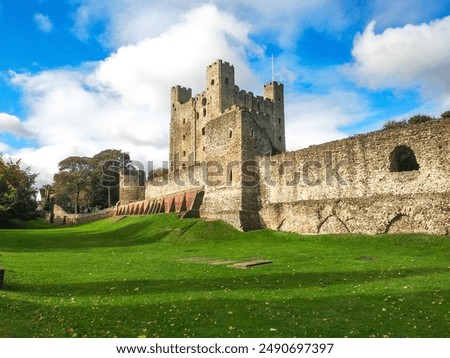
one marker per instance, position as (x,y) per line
(227,153)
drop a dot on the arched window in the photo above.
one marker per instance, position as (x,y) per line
(204,102)
(403,159)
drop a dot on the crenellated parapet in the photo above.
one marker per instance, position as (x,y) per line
(190,116)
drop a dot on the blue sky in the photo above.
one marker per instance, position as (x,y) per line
(80,76)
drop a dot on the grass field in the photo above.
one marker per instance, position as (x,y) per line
(155,276)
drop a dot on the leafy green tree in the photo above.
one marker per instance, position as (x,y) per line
(72,182)
(89,182)
(105,177)
(17,192)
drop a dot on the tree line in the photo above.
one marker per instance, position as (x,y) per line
(17,192)
(84,184)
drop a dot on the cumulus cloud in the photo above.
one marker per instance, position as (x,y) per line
(126,24)
(123,102)
(313,118)
(12,125)
(407,57)
(43,22)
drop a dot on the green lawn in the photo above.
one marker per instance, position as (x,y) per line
(133,278)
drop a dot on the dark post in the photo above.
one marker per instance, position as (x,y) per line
(2,276)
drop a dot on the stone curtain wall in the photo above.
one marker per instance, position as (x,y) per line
(348,185)
(182,180)
(394,180)
(61,217)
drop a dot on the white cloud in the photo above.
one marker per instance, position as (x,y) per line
(123,101)
(408,57)
(43,22)
(313,118)
(130,21)
(4,148)
(12,125)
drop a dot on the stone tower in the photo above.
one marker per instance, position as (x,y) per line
(232,127)
(190,142)
(228,162)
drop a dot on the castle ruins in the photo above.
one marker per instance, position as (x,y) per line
(228,162)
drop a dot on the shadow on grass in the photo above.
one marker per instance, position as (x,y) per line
(256,282)
(130,235)
(402,315)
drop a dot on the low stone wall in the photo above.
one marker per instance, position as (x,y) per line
(60,217)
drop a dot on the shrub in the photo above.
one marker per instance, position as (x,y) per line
(419,118)
(394,124)
(445,115)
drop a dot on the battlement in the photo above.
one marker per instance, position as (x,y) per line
(191,115)
(180,94)
(220,63)
(387,181)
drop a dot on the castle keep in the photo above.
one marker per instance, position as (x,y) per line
(228,161)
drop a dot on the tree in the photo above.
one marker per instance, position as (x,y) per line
(72,180)
(105,176)
(90,182)
(17,194)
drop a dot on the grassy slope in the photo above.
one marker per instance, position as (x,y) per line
(125,279)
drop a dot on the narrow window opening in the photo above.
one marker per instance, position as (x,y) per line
(252,133)
(184,153)
(203,131)
(226,80)
(184,120)
(212,82)
(204,112)
(279,138)
(184,137)
(279,120)
(230,176)
(231,133)
(204,101)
